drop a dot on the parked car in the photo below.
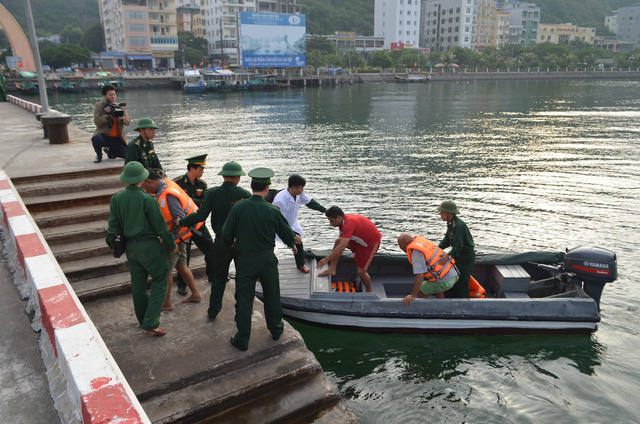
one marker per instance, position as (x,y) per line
(46,69)
(63,69)
(159,69)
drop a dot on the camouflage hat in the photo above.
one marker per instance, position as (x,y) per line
(145,123)
(133,173)
(231,169)
(448,207)
(198,160)
(261,175)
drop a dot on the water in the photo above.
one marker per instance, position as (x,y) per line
(531,165)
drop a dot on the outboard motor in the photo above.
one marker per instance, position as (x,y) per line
(595,266)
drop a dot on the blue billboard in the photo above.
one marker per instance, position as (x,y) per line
(272,40)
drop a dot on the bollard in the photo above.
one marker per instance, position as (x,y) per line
(44,127)
(57,126)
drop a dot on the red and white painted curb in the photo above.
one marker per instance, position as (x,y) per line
(33,107)
(89,387)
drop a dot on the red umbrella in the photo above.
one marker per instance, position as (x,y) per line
(454,65)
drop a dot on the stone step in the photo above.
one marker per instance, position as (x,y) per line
(71,233)
(115,169)
(225,395)
(76,215)
(87,183)
(80,250)
(117,283)
(69,200)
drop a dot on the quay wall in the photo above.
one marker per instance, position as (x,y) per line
(85,382)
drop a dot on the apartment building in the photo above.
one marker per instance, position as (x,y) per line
(566,33)
(397,21)
(220,21)
(188,16)
(525,17)
(448,23)
(611,21)
(145,32)
(502,28)
(486,24)
(629,24)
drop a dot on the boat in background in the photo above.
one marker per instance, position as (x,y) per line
(193,82)
(531,292)
(29,83)
(413,76)
(69,83)
(110,78)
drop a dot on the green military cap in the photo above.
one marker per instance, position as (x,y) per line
(261,175)
(198,160)
(133,173)
(448,207)
(231,169)
(145,123)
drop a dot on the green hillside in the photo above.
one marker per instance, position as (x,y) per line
(51,16)
(578,11)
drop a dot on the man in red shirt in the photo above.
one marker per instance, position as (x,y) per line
(357,233)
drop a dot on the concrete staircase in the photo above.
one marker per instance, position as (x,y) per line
(272,382)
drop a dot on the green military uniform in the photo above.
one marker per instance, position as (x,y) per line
(462,250)
(252,225)
(138,214)
(204,241)
(143,151)
(217,202)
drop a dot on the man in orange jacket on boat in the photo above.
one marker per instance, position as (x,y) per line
(431,276)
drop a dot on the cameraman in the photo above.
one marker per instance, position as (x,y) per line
(110,119)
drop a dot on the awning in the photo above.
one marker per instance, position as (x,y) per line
(139,56)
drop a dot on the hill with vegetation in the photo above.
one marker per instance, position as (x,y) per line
(51,16)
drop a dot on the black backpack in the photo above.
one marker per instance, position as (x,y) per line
(272,194)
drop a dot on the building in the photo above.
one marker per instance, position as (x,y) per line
(448,23)
(397,22)
(345,41)
(146,31)
(613,44)
(611,21)
(526,17)
(486,24)
(220,21)
(566,33)
(188,16)
(502,28)
(629,24)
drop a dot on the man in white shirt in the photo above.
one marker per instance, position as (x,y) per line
(289,202)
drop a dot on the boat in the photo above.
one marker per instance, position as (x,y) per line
(263,82)
(193,82)
(28,83)
(225,80)
(70,83)
(530,292)
(413,76)
(110,78)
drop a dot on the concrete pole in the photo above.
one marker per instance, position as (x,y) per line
(44,100)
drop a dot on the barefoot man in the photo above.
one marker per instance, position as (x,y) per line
(357,233)
(175,204)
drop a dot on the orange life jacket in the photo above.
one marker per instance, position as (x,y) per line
(344,286)
(187,205)
(432,254)
(476,291)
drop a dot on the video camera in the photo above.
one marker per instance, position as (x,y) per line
(117,110)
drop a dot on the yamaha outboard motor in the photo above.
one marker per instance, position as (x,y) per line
(595,266)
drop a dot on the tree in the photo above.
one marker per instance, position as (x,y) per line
(71,34)
(192,48)
(65,55)
(352,60)
(381,59)
(321,44)
(93,38)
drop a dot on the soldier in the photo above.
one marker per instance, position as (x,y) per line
(193,184)
(251,227)
(218,202)
(462,248)
(141,148)
(139,216)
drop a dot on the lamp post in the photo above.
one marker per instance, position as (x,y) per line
(36,55)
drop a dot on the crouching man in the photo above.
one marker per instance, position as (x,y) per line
(431,277)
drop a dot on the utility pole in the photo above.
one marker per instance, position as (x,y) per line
(44,100)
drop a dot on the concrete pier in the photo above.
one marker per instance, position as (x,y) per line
(192,374)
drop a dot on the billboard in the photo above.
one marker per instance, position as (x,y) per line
(272,40)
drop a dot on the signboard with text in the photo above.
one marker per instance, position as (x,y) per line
(272,40)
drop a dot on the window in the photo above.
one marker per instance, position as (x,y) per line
(137,41)
(136,27)
(467,19)
(134,15)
